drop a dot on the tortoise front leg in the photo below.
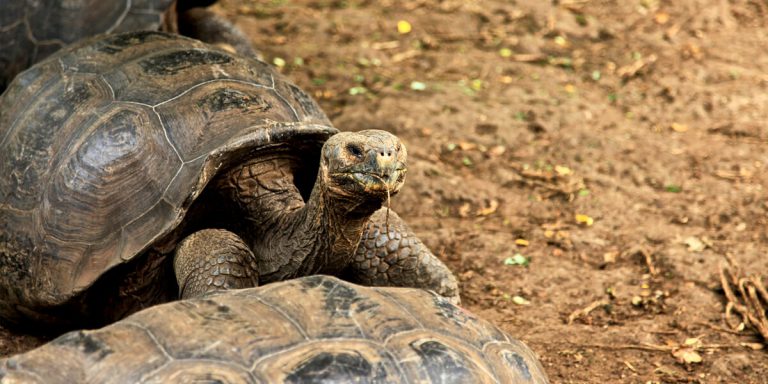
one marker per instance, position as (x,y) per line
(390,254)
(211,260)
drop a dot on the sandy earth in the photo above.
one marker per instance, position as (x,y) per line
(616,147)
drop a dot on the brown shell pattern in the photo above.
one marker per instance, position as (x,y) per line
(309,330)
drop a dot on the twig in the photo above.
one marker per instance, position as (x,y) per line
(749,302)
(646,256)
(642,347)
(586,310)
(529,57)
(658,348)
(649,262)
(719,329)
(631,70)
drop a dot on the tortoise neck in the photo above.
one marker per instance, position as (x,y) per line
(292,238)
(337,222)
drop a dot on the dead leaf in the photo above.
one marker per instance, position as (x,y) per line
(686,355)
(694,244)
(677,127)
(402,56)
(610,257)
(404,27)
(464,210)
(584,219)
(631,70)
(386,45)
(522,242)
(519,300)
(693,342)
(661,17)
(493,205)
(563,170)
(753,346)
(497,150)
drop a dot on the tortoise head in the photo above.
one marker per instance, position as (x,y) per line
(367,164)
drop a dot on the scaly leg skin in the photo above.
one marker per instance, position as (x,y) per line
(212,260)
(206,26)
(396,257)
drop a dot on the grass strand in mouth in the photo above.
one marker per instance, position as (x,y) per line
(386,186)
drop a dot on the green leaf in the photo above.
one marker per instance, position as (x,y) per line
(516,259)
(673,188)
(581,19)
(476,84)
(418,86)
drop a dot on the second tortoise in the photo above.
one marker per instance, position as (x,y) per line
(31,30)
(315,329)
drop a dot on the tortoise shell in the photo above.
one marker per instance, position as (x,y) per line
(30,30)
(106,144)
(308,330)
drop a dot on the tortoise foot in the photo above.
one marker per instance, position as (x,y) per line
(213,260)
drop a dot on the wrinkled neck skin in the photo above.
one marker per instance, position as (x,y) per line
(290,238)
(336,221)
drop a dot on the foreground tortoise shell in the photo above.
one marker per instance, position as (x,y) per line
(309,330)
(30,30)
(75,129)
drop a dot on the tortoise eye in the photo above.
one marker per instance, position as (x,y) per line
(355,150)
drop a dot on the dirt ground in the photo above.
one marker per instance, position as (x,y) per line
(583,166)
(647,117)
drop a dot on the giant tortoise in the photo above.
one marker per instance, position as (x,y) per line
(122,150)
(315,329)
(30,30)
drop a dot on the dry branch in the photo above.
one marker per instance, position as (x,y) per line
(747,296)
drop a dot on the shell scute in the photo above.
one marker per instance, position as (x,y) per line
(210,115)
(171,63)
(87,193)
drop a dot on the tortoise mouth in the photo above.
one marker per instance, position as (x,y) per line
(371,182)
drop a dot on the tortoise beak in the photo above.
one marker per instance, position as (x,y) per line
(381,171)
(380,183)
(378,175)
